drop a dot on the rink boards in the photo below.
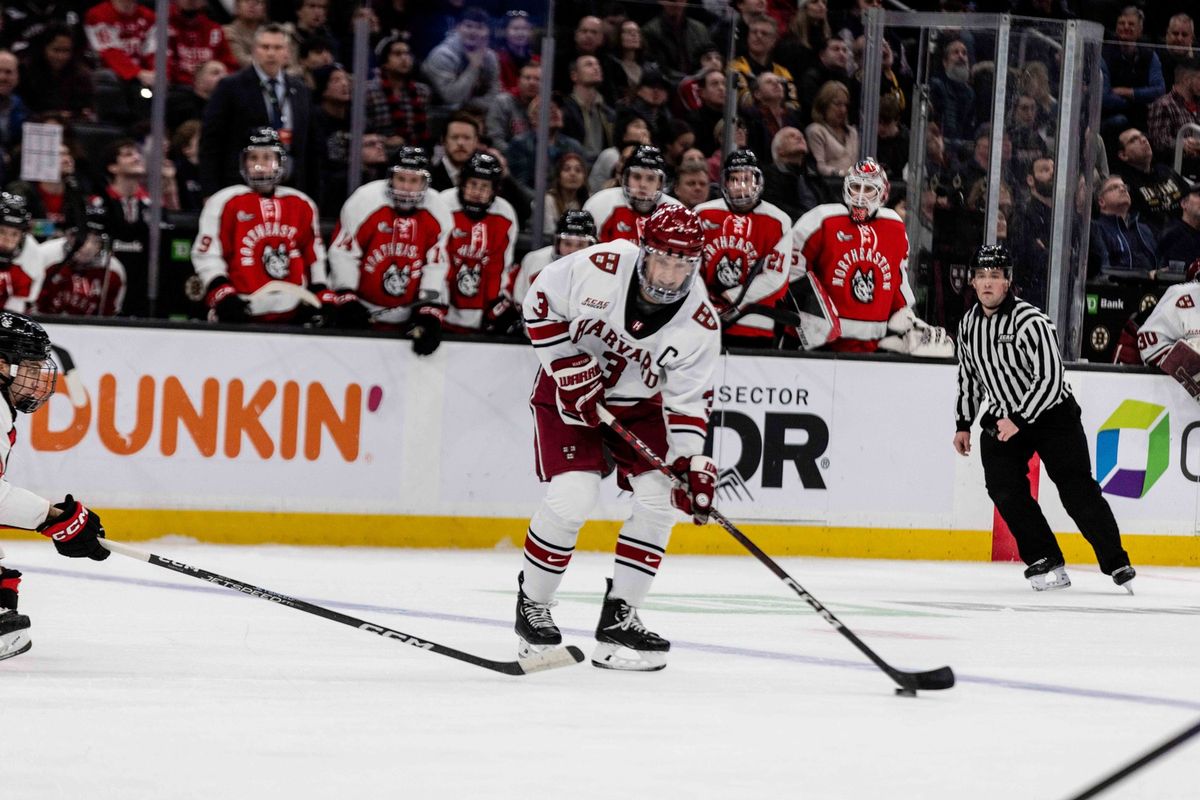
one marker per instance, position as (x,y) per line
(251,438)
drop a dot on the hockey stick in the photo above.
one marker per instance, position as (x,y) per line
(550,659)
(1137,764)
(909,682)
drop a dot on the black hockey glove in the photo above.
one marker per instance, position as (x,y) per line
(503,318)
(76,531)
(426,330)
(226,303)
(350,313)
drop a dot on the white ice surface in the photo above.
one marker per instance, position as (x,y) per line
(143,683)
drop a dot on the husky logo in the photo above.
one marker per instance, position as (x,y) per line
(863,285)
(275,261)
(729,272)
(468,279)
(396,280)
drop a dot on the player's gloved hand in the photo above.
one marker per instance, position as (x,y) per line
(225,302)
(76,531)
(580,389)
(699,477)
(349,312)
(426,330)
(504,317)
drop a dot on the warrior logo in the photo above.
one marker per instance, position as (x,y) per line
(729,272)
(396,280)
(468,279)
(275,261)
(863,285)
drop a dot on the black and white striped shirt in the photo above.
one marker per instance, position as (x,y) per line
(1008,364)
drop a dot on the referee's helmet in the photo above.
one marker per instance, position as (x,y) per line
(992,256)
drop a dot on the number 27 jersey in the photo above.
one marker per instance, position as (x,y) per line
(585,303)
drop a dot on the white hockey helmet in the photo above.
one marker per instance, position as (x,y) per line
(865,190)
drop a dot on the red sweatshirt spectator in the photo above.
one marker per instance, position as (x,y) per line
(193,40)
(120,33)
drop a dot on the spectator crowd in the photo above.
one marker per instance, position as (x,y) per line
(259,146)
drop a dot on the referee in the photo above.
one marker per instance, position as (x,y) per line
(1009,366)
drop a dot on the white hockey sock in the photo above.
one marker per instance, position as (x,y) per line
(550,541)
(642,542)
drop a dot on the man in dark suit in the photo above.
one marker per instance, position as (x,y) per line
(262,94)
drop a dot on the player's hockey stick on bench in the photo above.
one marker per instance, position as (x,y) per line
(909,682)
(551,659)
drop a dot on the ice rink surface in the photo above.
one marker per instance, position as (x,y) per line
(147,684)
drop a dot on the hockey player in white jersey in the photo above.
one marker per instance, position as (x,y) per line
(575,230)
(621,211)
(629,327)
(1170,338)
(27,378)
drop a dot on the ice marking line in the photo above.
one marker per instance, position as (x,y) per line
(1002,683)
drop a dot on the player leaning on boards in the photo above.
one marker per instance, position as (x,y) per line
(1170,338)
(628,326)
(27,377)
(1009,366)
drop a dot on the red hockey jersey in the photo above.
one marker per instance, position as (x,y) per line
(252,240)
(614,218)
(733,246)
(91,291)
(193,41)
(21,281)
(863,269)
(124,42)
(387,258)
(481,263)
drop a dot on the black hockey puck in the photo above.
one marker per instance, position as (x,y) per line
(906,692)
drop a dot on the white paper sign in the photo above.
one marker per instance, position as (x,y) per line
(40,144)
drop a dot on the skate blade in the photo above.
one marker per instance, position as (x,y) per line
(526,650)
(13,644)
(615,656)
(1128,586)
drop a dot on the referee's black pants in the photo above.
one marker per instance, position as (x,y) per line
(1058,438)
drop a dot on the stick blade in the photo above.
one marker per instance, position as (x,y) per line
(567,656)
(934,679)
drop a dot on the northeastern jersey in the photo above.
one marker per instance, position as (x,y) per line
(863,269)
(533,263)
(755,246)
(586,302)
(385,257)
(253,239)
(1177,316)
(85,291)
(615,219)
(19,508)
(21,280)
(480,262)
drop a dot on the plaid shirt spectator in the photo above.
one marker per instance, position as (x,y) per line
(399,109)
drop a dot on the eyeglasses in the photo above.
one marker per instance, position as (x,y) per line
(516,13)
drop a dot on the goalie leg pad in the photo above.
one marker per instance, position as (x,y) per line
(1182,362)
(550,542)
(819,323)
(642,542)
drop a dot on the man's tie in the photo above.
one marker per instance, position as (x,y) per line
(275,110)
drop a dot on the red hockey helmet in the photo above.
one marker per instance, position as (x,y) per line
(865,190)
(672,232)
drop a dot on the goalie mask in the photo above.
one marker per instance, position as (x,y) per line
(741,181)
(481,167)
(409,179)
(865,190)
(14,226)
(672,243)
(28,373)
(576,230)
(643,177)
(88,242)
(265,162)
